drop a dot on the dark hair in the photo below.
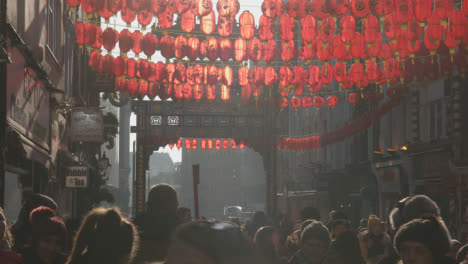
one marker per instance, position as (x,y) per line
(162,196)
(310,212)
(221,241)
(347,247)
(45,223)
(263,244)
(104,236)
(259,219)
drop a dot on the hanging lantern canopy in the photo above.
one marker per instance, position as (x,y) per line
(338,8)
(318,101)
(201,7)
(347,28)
(354,98)
(285,76)
(340,72)
(360,8)
(225,49)
(228,76)
(240,50)
(296,8)
(332,101)
(271,77)
(166,19)
(254,50)
(269,51)
(308,28)
(187,23)
(272,8)
(225,92)
(247,25)
(180,47)
(326,29)
(128,15)
(266,28)
(295,102)
(288,51)
(318,9)
(326,74)
(212,49)
(287,27)
(80,29)
(208,23)
(132,68)
(167,45)
(225,26)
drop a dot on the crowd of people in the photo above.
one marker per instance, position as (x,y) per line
(165,233)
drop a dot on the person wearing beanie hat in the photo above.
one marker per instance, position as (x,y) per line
(314,244)
(409,208)
(423,241)
(49,236)
(375,244)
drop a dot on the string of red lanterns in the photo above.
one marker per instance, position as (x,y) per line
(207,144)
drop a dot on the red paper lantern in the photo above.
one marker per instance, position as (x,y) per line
(285,76)
(372,70)
(181,6)
(143,88)
(210,92)
(284,90)
(298,76)
(243,75)
(288,52)
(326,29)
(373,48)
(254,50)
(271,77)
(247,25)
(225,92)
(203,49)
(257,76)
(180,72)
(272,8)
(326,74)
(225,26)
(240,50)
(340,51)
(225,143)
(295,102)
(371,29)
(120,84)
(348,28)
(119,66)
(347,83)
(131,68)
(443,8)
(180,47)
(318,9)
(413,31)
(458,24)
(128,15)
(227,8)
(189,72)
(212,49)
(307,51)
(422,10)
(225,49)
(246,92)
(403,10)
(149,43)
(228,76)
(356,46)
(266,28)
(132,87)
(318,101)
(187,23)
(324,51)
(194,144)
(125,41)
(203,142)
(284,102)
(171,69)
(188,143)
(338,8)
(160,71)
(356,71)
(208,23)
(307,102)
(308,28)
(381,8)
(73,3)
(159,6)
(210,144)
(198,74)
(256,90)
(434,27)
(193,46)
(108,64)
(145,69)
(167,46)
(187,91)
(212,74)
(392,26)
(287,27)
(296,8)
(80,29)
(340,72)
(354,98)
(137,36)
(360,8)
(313,75)
(364,82)
(269,51)
(145,17)
(201,7)
(88,6)
(332,101)
(90,34)
(166,19)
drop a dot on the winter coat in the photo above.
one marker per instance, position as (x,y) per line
(374,248)
(156,229)
(10,257)
(297,258)
(30,256)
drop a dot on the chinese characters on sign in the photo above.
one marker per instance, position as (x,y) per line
(76,177)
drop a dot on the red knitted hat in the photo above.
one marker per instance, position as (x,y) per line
(45,223)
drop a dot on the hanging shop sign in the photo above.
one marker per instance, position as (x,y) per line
(76,177)
(86,125)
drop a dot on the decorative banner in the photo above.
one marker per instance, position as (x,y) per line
(207,144)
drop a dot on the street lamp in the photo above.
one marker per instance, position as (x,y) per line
(104,165)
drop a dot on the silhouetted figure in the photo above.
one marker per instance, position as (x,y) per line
(315,241)
(259,219)
(158,223)
(7,255)
(202,242)
(266,245)
(375,243)
(345,249)
(21,229)
(49,236)
(104,237)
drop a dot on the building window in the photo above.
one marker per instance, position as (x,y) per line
(54,28)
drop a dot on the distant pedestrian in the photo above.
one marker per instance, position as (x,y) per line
(49,236)
(21,229)
(158,223)
(104,237)
(362,225)
(266,245)
(338,227)
(7,255)
(314,244)
(202,242)
(345,249)
(184,215)
(375,243)
(423,241)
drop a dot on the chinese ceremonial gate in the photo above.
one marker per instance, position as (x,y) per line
(163,122)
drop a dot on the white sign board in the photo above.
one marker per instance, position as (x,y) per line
(76,177)
(87,125)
